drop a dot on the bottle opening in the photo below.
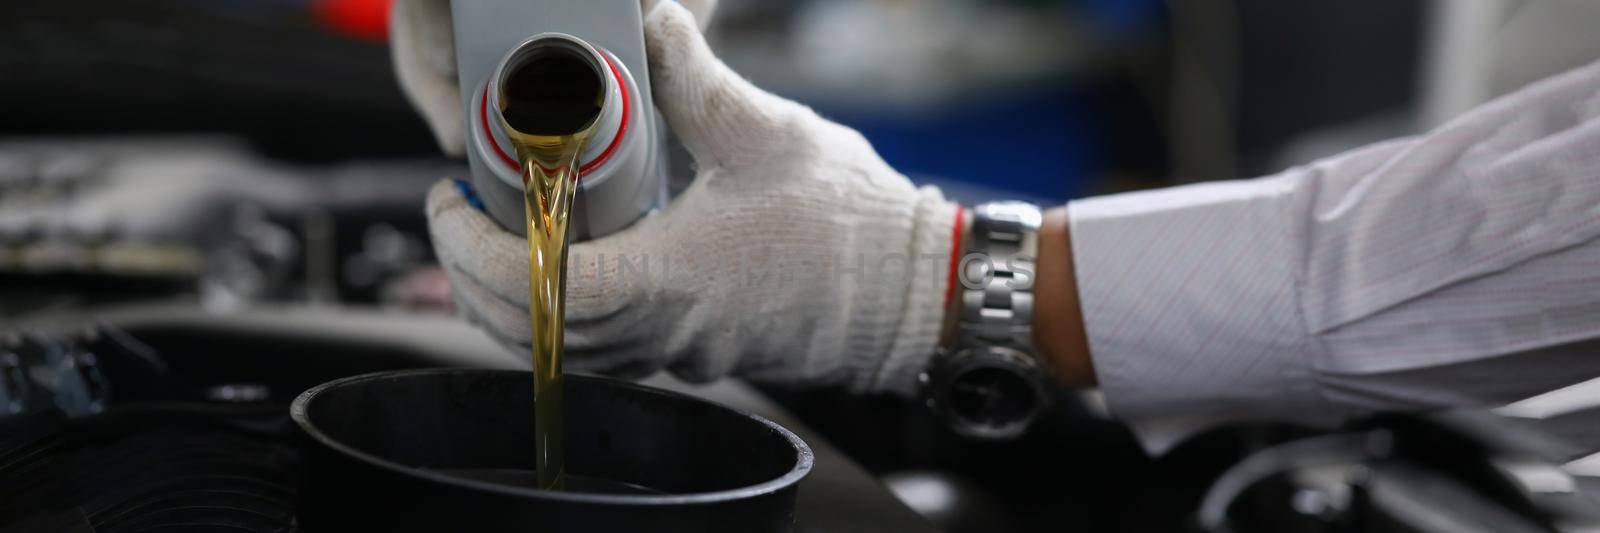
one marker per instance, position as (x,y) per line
(553,88)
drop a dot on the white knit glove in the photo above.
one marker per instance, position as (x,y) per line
(797,255)
(422,46)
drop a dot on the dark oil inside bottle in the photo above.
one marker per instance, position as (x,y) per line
(550,104)
(554,93)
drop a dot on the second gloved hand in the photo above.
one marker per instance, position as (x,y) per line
(797,255)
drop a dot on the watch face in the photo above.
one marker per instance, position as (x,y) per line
(991,396)
(988,393)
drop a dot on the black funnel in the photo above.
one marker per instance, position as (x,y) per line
(448,450)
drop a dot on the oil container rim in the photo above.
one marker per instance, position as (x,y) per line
(804,458)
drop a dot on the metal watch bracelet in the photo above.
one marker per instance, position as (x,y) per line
(988,381)
(997,274)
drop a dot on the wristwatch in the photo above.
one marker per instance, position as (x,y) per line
(988,381)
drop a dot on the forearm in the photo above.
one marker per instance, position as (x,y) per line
(1369,281)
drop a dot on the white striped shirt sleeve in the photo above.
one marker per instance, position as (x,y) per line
(1460,267)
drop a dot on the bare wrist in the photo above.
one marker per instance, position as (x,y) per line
(1058,330)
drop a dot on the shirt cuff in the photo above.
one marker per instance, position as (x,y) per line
(1189,301)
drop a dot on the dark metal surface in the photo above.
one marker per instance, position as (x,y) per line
(291,343)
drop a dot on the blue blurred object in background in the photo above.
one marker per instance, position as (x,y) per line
(1124,20)
(986,99)
(1038,144)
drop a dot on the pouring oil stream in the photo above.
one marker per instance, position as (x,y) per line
(549,105)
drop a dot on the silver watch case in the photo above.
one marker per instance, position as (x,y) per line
(987,392)
(990,383)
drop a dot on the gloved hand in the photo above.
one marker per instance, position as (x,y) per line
(797,255)
(422,46)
